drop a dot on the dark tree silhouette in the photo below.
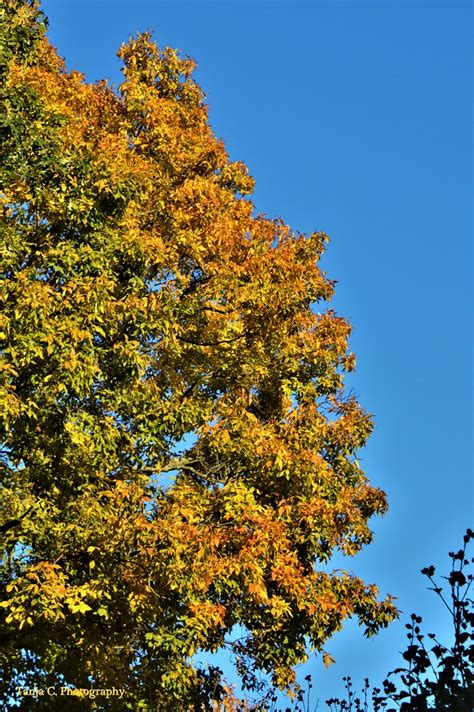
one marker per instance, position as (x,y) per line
(433,676)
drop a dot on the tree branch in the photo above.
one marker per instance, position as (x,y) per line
(213,343)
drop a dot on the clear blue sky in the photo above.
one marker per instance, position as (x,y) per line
(354,118)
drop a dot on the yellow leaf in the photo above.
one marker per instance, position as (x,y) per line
(328,660)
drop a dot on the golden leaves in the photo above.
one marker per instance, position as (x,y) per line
(328,660)
(172,402)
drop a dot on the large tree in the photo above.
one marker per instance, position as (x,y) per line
(178,454)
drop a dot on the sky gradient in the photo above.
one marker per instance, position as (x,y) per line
(354,118)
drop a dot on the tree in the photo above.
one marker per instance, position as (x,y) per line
(178,453)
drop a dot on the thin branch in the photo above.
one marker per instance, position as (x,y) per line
(213,343)
(14,522)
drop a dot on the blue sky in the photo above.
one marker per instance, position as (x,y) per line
(354,118)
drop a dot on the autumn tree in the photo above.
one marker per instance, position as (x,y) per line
(178,454)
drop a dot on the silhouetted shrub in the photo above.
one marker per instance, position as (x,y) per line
(434,676)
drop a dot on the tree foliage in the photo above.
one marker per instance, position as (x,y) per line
(177,450)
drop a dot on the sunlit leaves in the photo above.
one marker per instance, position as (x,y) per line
(179,454)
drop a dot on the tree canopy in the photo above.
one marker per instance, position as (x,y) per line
(178,453)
